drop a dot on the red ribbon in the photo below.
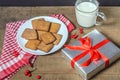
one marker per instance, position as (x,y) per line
(95,55)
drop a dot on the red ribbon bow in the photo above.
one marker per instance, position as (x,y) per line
(95,55)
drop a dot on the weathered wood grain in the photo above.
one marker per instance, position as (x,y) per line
(54,66)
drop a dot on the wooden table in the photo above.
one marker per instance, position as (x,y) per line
(54,66)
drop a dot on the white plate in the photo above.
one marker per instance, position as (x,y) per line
(21,41)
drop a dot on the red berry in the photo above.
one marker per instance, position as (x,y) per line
(74,36)
(81,30)
(38,77)
(27,72)
(29,75)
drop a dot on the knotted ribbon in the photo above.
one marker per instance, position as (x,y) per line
(87,48)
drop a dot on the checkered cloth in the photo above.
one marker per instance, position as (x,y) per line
(10,64)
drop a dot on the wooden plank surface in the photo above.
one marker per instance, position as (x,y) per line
(54,66)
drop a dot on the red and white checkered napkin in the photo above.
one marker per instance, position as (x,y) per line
(10,64)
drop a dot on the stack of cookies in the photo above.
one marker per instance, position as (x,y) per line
(43,36)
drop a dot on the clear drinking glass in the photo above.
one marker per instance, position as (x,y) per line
(87,12)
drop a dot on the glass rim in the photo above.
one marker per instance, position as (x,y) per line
(90,11)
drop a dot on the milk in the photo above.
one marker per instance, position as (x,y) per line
(86,14)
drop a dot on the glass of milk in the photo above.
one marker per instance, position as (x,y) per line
(87,13)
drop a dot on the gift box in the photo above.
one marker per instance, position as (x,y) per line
(91,53)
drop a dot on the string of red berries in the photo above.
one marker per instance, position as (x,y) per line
(81,30)
(29,74)
(74,36)
(77,32)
